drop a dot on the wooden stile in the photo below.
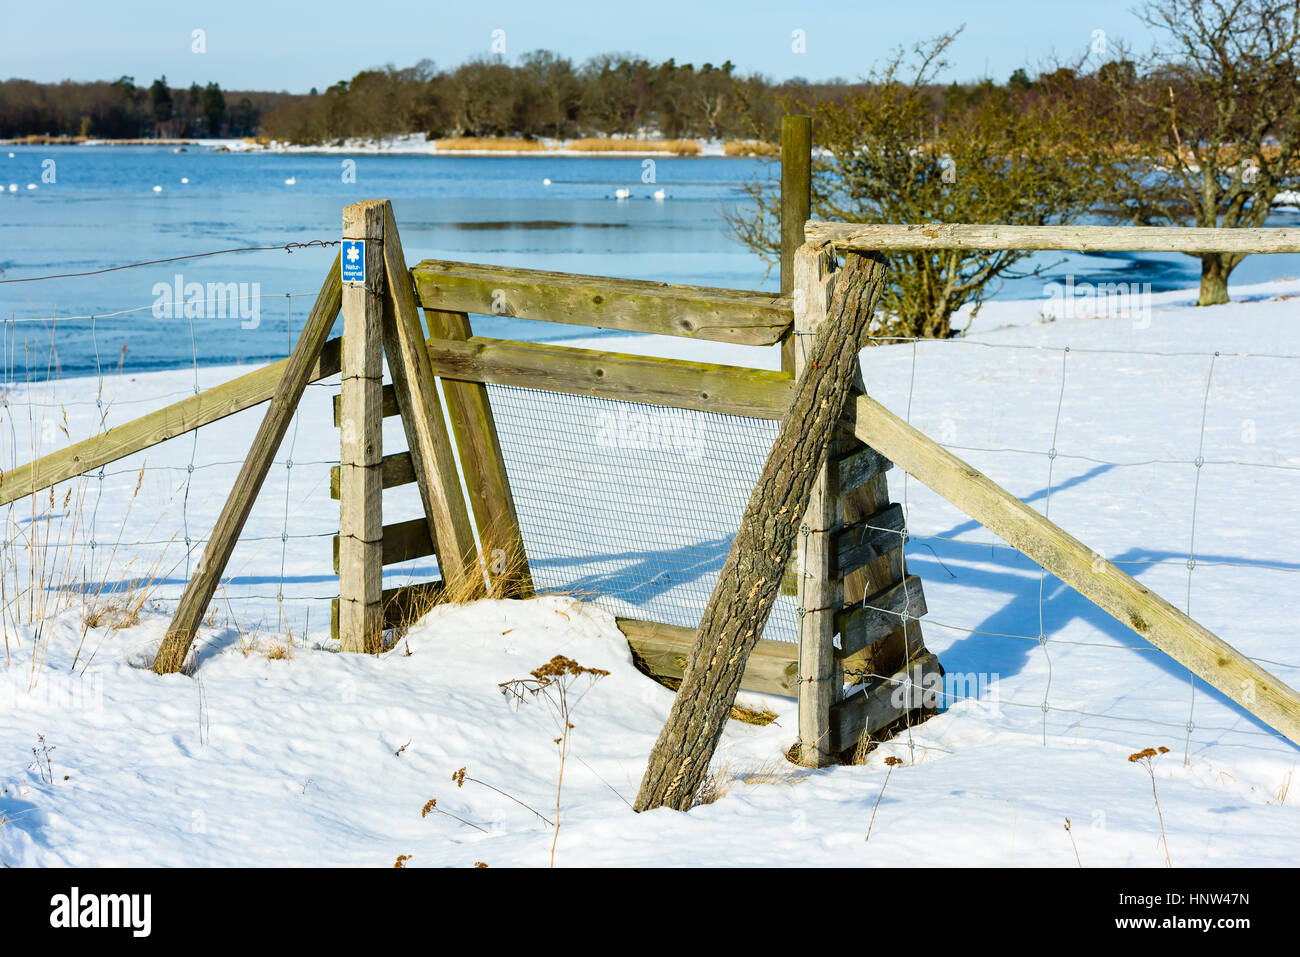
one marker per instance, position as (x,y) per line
(859,554)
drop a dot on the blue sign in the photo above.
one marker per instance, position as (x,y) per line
(354,261)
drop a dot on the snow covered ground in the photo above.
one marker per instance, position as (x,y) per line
(279,750)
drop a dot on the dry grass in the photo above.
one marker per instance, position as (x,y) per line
(723,781)
(1284,789)
(604,145)
(502,573)
(750,148)
(512,144)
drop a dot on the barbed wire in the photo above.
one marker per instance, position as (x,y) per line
(286,247)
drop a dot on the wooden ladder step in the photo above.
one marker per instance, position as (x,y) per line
(395,469)
(857,468)
(772,667)
(862,625)
(390,406)
(863,542)
(877,704)
(402,542)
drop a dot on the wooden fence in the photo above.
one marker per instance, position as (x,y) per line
(1150,616)
(859,608)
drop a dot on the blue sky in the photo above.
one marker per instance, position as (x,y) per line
(294,46)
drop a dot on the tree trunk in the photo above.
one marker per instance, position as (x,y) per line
(751,578)
(1214,280)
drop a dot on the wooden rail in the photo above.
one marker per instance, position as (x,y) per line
(703,386)
(206,407)
(772,668)
(1174,239)
(630,305)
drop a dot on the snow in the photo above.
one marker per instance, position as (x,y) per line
(312,757)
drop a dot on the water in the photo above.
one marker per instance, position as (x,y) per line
(102,211)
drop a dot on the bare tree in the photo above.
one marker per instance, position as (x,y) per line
(1212,119)
(890,155)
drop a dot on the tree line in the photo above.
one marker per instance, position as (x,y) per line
(544,94)
(122,109)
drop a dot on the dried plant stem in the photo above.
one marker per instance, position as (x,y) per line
(890,762)
(1072,844)
(510,796)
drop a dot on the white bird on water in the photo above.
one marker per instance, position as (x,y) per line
(660,194)
(13,187)
(622,193)
(185,179)
(32,186)
(157,189)
(291,181)
(545,182)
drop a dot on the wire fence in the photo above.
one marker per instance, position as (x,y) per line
(632,506)
(1209,528)
(121,541)
(1180,466)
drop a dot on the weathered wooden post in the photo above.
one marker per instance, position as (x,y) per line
(818,591)
(361,526)
(750,579)
(796,208)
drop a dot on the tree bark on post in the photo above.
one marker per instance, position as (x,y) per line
(751,577)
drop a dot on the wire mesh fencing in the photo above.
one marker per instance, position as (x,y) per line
(631,506)
(1179,466)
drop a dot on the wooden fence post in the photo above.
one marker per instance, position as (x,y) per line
(432,455)
(796,209)
(500,541)
(817,587)
(750,579)
(361,525)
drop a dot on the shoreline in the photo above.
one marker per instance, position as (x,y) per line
(412,145)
